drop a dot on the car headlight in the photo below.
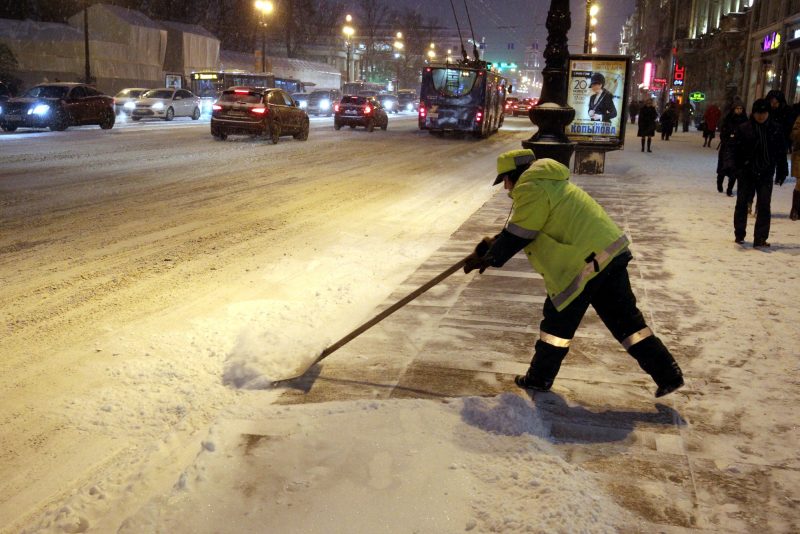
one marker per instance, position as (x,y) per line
(388,105)
(409,107)
(39,109)
(303,104)
(129,105)
(158,105)
(325,104)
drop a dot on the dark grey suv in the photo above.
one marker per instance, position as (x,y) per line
(321,101)
(257,112)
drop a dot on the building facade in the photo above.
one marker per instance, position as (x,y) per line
(710,51)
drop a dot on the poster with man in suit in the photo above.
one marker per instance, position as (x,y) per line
(597,92)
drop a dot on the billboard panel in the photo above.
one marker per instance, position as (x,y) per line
(598,90)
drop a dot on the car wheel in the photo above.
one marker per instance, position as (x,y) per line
(337,126)
(170,114)
(136,119)
(370,125)
(60,122)
(275,133)
(385,124)
(8,127)
(196,114)
(352,126)
(220,136)
(107,119)
(303,134)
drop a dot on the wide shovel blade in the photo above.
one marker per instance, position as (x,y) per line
(372,322)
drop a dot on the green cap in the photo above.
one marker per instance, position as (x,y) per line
(509,161)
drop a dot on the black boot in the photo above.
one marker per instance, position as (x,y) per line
(656,360)
(544,367)
(720,179)
(642,144)
(649,141)
(794,214)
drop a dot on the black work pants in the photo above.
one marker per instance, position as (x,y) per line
(610,294)
(760,185)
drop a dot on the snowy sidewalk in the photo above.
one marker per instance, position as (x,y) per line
(416,426)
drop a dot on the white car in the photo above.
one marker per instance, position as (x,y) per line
(125,100)
(166,103)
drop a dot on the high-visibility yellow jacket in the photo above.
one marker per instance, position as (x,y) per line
(573,237)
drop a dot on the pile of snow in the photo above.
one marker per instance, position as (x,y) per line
(454,465)
(284,343)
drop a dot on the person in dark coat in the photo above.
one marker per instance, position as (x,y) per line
(686,115)
(668,119)
(759,147)
(647,123)
(633,110)
(726,164)
(601,103)
(781,114)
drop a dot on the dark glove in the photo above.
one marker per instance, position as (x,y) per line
(479,259)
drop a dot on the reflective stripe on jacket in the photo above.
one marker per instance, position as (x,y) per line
(573,237)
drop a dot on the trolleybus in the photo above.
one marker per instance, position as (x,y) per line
(208,85)
(462,97)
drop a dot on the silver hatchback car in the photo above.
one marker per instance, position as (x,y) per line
(167,103)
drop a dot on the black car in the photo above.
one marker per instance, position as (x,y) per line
(389,102)
(5,93)
(321,101)
(407,100)
(58,106)
(258,112)
(363,111)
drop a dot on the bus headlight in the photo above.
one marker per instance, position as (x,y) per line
(39,109)
(325,104)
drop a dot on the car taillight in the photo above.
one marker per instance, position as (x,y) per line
(422,111)
(479,115)
(336,108)
(367,109)
(259,110)
(216,107)
(241,91)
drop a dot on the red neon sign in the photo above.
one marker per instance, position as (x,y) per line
(679,75)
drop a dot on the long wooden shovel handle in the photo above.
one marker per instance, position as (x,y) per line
(388,311)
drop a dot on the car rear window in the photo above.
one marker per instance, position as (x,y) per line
(47,91)
(245,98)
(357,100)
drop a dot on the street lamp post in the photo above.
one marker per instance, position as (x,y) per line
(264,7)
(552,114)
(398,54)
(348,32)
(589,37)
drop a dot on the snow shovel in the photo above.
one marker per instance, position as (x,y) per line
(375,320)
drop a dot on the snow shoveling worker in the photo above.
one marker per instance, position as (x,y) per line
(583,257)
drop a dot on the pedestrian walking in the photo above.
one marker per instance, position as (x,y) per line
(781,114)
(686,115)
(633,110)
(794,213)
(726,163)
(759,147)
(710,121)
(582,256)
(667,122)
(647,123)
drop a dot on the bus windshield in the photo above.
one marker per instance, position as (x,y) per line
(453,81)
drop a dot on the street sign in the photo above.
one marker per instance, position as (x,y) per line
(697,96)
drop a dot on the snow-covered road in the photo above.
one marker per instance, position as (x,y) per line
(130,260)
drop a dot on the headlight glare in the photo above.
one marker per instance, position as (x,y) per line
(129,105)
(325,104)
(40,109)
(158,105)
